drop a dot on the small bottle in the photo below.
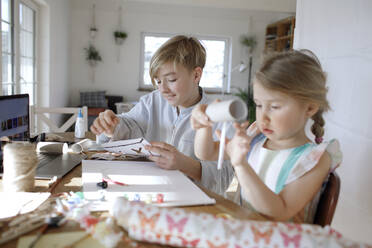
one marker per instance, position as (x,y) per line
(79,126)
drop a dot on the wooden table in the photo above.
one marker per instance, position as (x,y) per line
(73,182)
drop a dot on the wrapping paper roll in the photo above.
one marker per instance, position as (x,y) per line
(52,147)
(177,227)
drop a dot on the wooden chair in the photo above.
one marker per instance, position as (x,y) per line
(328,201)
(40,114)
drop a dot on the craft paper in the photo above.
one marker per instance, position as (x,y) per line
(131,147)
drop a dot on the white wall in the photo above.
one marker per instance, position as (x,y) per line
(122,78)
(340,33)
(60,24)
(53,56)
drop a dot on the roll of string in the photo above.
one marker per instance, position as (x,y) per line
(20,162)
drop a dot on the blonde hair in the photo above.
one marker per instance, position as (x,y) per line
(298,74)
(181,50)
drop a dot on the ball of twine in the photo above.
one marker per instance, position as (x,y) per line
(20,162)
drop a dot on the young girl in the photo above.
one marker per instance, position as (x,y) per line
(280,170)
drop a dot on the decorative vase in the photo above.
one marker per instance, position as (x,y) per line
(93,32)
(92,62)
(119,40)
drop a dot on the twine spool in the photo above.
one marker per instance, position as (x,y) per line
(20,164)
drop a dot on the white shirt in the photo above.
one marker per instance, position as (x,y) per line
(156,120)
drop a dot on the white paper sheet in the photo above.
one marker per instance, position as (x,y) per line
(14,203)
(144,179)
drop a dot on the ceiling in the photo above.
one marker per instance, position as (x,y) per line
(267,5)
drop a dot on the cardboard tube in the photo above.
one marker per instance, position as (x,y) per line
(230,110)
(52,147)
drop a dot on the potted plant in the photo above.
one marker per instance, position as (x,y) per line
(247,97)
(248,41)
(92,55)
(120,37)
(93,31)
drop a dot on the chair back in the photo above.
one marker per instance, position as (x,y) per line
(328,201)
(40,114)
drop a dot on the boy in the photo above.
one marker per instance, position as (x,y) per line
(163,116)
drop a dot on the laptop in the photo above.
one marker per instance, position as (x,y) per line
(15,125)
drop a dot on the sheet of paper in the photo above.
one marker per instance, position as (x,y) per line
(20,203)
(143,179)
(60,240)
(131,146)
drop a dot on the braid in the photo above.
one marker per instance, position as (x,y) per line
(317,128)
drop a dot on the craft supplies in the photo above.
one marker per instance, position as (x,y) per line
(159,198)
(137,197)
(109,180)
(148,199)
(102,184)
(19,163)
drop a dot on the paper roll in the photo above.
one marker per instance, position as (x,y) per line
(230,110)
(52,147)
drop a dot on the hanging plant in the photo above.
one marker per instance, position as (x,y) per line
(249,41)
(92,55)
(120,36)
(93,31)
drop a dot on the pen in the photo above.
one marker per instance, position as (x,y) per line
(109,180)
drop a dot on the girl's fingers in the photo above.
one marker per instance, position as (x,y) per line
(253,130)
(244,125)
(218,133)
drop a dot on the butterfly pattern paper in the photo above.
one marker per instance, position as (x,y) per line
(176,227)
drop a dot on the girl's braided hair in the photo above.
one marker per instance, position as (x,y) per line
(299,74)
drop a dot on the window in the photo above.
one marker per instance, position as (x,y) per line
(215,69)
(18,32)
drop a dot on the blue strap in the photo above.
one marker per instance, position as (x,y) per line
(255,140)
(288,165)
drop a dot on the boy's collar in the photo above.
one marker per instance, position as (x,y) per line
(203,100)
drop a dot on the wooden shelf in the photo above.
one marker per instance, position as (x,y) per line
(279,35)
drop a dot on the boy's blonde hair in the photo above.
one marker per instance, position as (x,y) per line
(181,50)
(300,75)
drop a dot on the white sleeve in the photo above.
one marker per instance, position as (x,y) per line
(132,124)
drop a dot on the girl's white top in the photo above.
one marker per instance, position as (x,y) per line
(278,168)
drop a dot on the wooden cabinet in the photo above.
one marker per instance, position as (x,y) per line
(279,35)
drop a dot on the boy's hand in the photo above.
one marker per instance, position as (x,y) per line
(106,123)
(238,147)
(169,157)
(198,117)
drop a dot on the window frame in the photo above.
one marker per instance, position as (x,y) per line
(227,58)
(16,49)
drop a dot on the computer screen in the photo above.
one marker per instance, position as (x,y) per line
(14,119)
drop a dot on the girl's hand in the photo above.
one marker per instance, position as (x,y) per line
(106,123)
(199,119)
(238,147)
